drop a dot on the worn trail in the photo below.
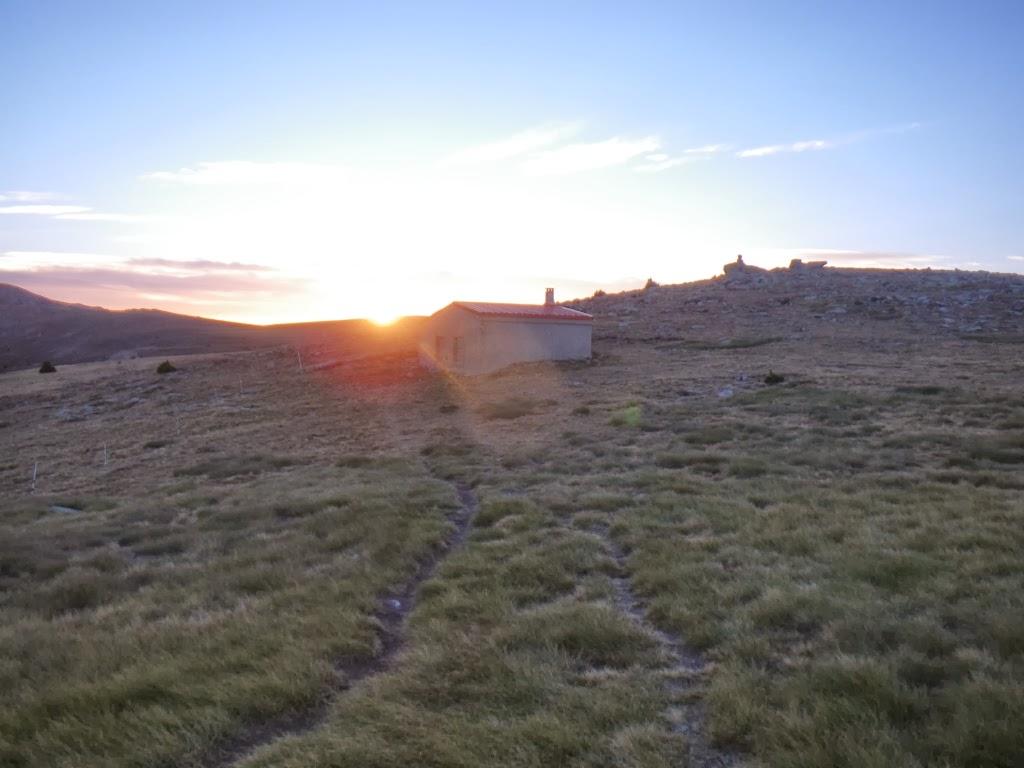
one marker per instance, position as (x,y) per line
(394,607)
(687,668)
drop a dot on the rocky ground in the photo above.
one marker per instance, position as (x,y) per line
(800,303)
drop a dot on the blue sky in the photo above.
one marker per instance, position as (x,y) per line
(286,161)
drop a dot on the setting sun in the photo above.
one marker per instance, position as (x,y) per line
(383,319)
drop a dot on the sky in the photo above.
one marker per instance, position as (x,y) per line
(271,162)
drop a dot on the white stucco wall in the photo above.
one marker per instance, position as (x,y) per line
(489,343)
(450,323)
(521,341)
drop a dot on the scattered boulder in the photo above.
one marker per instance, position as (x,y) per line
(799,265)
(165,367)
(740,273)
(47,367)
(62,509)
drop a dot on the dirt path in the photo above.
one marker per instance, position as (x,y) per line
(686,670)
(393,608)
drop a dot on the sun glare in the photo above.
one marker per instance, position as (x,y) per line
(383,319)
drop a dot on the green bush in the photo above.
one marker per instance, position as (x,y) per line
(47,367)
(165,367)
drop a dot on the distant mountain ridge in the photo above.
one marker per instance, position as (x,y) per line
(744,304)
(34,328)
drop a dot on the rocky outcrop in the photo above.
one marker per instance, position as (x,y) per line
(741,274)
(810,300)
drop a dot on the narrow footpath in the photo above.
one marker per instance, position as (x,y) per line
(393,609)
(686,669)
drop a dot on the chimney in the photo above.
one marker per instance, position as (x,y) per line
(549,297)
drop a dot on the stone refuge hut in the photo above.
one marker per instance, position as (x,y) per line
(473,337)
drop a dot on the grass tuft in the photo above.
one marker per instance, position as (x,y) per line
(224,467)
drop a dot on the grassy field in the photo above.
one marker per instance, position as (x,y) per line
(826,571)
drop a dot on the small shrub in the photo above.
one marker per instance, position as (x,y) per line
(773,378)
(47,367)
(599,293)
(650,284)
(165,367)
(582,410)
(449,408)
(630,416)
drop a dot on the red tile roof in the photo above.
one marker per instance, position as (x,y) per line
(525,311)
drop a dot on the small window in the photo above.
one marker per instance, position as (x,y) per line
(438,348)
(458,350)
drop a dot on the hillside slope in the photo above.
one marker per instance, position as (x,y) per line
(826,303)
(34,328)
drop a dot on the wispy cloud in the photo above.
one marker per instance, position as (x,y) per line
(707,149)
(24,196)
(202,265)
(796,146)
(94,216)
(1015,258)
(813,145)
(68,213)
(662,162)
(248,172)
(838,257)
(518,145)
(36,260)
(545,151)
(42,210)
(113,279)
(575,158)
